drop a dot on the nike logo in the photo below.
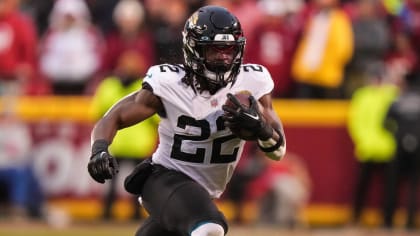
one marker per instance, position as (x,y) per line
(255,117)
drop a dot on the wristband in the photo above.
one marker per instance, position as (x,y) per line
(272,141)
(100,145)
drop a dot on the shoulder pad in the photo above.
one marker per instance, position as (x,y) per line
(253,68)
(164,69)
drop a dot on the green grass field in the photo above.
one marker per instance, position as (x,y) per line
(128,229)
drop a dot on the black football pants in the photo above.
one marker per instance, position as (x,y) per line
(176,205)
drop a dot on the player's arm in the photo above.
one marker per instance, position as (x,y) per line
(274,146)
(130,110)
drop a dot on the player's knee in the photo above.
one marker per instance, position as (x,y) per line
(208,229)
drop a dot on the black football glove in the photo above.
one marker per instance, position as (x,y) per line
(250,119)
(102,165)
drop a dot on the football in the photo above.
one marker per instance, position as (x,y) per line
(243,98)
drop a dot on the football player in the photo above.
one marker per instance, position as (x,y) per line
(197,151)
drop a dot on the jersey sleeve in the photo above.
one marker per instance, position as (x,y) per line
(257,79)
(153,80)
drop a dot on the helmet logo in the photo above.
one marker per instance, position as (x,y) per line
(194,18)
(192,24)
(224,37)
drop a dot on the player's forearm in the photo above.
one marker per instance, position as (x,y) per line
(128,111)
(107,127)
(104,129)
(274,147)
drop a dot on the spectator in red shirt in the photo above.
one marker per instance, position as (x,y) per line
(274,41)
(18,43)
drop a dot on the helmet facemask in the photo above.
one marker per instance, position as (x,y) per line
(212,52)
(219,62)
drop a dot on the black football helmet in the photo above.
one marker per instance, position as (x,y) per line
(213,46)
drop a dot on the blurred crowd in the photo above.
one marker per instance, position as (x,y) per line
(314,48)
(365,51)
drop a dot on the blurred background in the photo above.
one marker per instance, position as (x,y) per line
(346,88)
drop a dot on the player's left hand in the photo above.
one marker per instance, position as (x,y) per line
(102,165)
(248,118)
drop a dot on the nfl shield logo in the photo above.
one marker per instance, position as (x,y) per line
(213,102)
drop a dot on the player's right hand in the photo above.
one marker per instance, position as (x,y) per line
(248,118)
(102,166)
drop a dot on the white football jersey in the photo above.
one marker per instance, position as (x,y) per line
(193,138)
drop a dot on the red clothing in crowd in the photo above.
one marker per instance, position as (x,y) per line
(18,42)
(264,183)
(117,45)
(273,46)
(408,23)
